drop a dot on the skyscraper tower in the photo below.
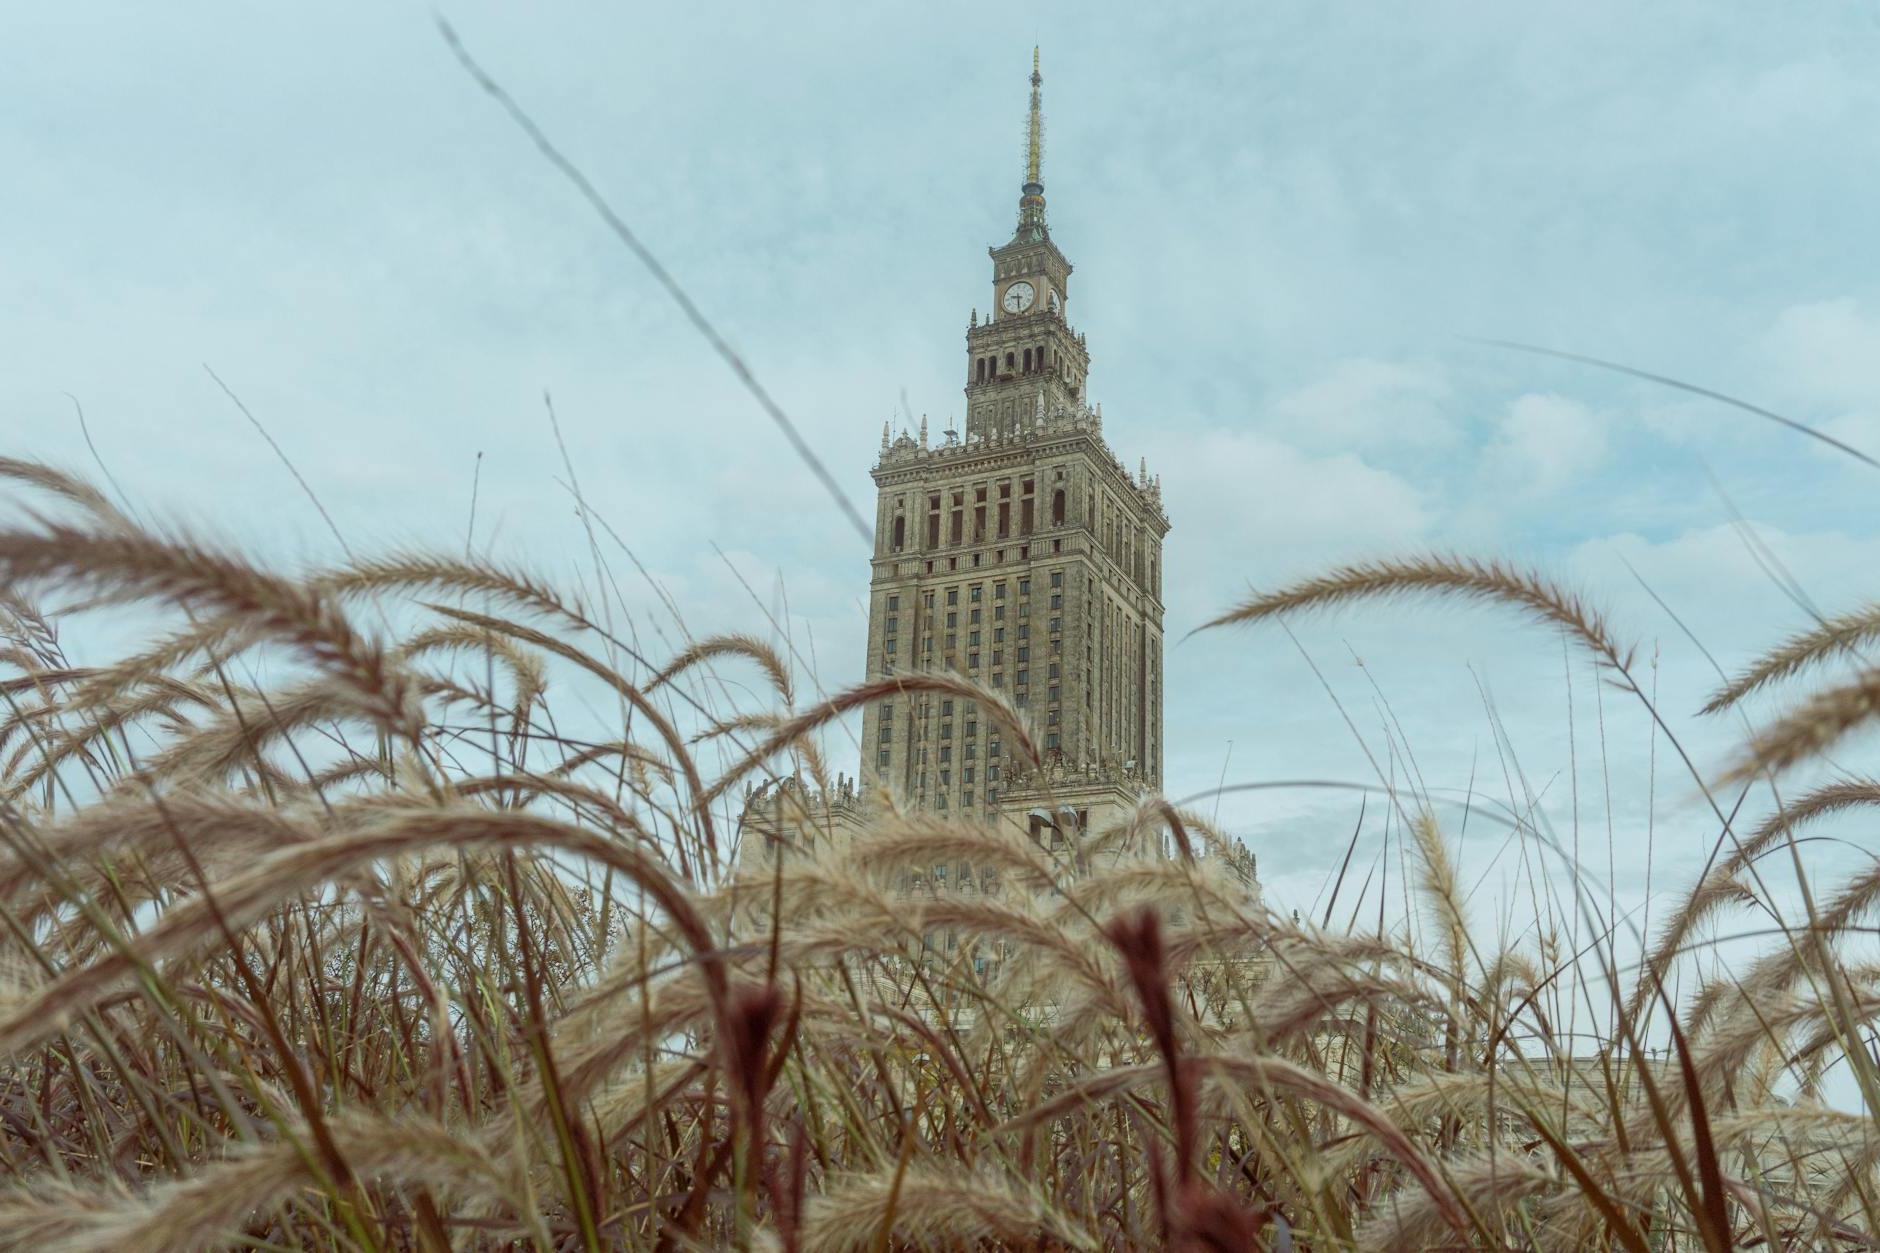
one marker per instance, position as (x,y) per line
(1022,554)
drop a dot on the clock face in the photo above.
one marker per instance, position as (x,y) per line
(1018,297)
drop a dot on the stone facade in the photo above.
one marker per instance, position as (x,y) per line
(1023,555)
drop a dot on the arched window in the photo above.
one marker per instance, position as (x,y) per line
(1028,361)
(1010,362)
(979,371)
(1057,507)
(900,531)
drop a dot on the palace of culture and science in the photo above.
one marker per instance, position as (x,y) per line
(1023,555)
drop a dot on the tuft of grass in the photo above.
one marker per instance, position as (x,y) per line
(322,927)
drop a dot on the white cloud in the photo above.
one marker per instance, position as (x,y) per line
(1368,404)
(1827,352)
(1542,444)
(1249,509)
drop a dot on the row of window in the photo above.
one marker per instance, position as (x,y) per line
(1018,361)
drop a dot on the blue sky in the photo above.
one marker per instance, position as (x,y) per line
(1289,221)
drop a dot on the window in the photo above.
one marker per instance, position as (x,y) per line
(1024,632)
(946,754)
(992,773)
(1023,677)
(953,620)
(946,733)
(1057,601)
(998,613)
(1054,670)
(1057,507)
(894,603)
(1051,717)
(1052,694)
(953,596)
(887,710)
(972,639)
(1024,587)
(889,646)
(998,591)
(974,617)
(1057,624)
(1057,578)
(972,728)
(1050,741)
(993,748)
(972,661)
(977,588)
(887,733)
(1024,652)
(966,774)
(881,758)
(946,709)
(893,625)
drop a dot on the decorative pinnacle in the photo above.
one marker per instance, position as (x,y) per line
(1031,201)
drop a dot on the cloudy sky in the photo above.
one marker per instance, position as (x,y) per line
(1292,225)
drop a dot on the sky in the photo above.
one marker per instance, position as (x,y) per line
(1294,227)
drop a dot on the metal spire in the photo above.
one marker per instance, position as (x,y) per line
(1031,223)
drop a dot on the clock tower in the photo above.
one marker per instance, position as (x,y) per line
(1025,358)
(1025,556)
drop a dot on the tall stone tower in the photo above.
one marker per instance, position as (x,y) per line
(1022,554)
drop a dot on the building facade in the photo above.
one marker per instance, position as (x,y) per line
(1022,554)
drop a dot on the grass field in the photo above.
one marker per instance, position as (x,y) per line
(321,931)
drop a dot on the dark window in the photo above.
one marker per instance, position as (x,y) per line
(1057,507)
